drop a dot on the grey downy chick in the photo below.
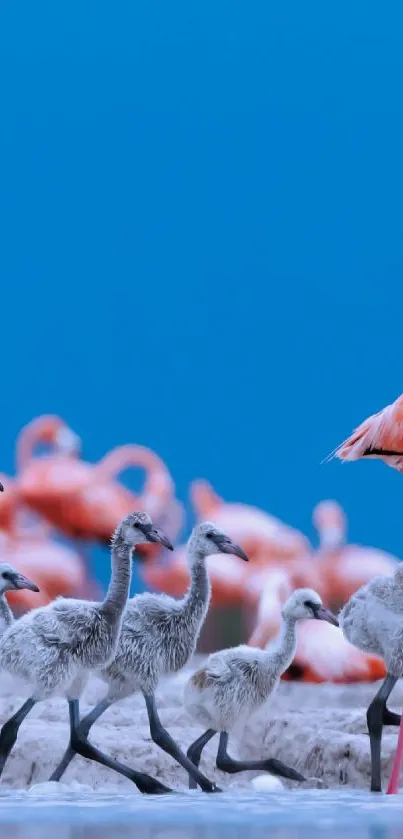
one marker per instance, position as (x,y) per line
(56,647)
(372,620)
(234,683)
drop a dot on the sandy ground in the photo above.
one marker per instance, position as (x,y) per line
(318,729)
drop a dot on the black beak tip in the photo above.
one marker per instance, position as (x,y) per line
(241,553)
(1,487)
(154,535)
(326,615)
(226,546)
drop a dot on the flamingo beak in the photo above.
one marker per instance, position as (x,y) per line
(153,534)
(1,487)
(322,614)
(21,582)
(226,546)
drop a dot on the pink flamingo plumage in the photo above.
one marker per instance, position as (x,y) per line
(379,436)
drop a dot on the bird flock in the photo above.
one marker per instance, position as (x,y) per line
(131,643)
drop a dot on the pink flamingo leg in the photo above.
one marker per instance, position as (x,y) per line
(393,785)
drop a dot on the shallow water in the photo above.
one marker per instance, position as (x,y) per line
(285,815)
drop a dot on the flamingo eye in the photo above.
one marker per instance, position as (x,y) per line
(210,535)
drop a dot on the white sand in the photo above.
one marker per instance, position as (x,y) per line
(318,729)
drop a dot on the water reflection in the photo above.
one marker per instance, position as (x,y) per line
(111,831)
(296,815)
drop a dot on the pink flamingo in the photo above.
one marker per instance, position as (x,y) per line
(265,539)
(344,567)
(86,501)
(57,568)
(262,536)
(380,436)
(30,546)
(47,430)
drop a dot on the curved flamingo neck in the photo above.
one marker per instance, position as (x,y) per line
(129,455)
(278,657)
(195,603)
(331,539)
(205,500)
(35,432)
(119,585)
(158,482)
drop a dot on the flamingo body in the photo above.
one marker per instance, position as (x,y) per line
(379,436)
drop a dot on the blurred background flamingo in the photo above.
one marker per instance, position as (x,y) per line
(344,567)
(28,544)
(75,498)
(8,500)
(46,430)
(266,540)
(86,501)
(56,568)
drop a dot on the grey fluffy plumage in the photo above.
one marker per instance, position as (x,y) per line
(234,683)
(158,636)
(159,633)
(54,648)
(372,620)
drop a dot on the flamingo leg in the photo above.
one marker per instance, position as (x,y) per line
(194,751)
(164,740)
(9,731)
(272,765)
(80,744)
(375,722)
(393,785)
(85,725)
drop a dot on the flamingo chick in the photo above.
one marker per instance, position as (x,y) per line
(236,682)
(11,580)
(55,647)
(159,635)
(372,620)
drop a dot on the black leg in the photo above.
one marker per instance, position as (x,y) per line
(9,732)
(164,740)
(275,767)
(375,717)
(84,728)
(82,746)
(194,752)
